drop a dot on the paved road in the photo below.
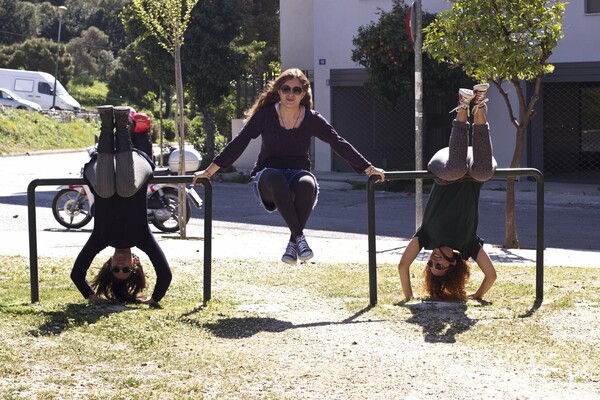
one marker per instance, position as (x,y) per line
(336,230)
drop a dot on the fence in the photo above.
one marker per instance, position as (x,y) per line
(570,140)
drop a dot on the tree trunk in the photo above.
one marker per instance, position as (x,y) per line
(511,240)
(210,133)
(181,134)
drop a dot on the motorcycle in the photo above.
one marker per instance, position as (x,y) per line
(73,205)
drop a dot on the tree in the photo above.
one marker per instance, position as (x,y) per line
(501,41)
(384,49)
(40,55)
(260,25)
(17,19)
(87,51)
(167,21)
(128,82)
(214,61)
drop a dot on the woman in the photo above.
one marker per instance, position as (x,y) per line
(449,226)
(118,176)
(284,117)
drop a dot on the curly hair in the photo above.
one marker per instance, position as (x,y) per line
(450,286)
(270,94)
(127,290)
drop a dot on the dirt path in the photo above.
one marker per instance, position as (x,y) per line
(319,350)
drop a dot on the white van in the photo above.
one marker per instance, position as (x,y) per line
(38,87)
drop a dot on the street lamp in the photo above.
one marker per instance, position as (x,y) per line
(61,10)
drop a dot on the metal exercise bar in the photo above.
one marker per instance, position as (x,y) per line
(32,226)
(500,173)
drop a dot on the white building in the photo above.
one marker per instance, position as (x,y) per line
(316,36)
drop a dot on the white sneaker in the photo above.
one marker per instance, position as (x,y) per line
(464,100)
(480,91)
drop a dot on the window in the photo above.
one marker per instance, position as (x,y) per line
(592,6)
(45,88)
(23,85)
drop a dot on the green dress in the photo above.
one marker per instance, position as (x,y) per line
(451,217)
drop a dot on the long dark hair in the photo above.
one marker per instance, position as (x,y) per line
(451,285)
(270,94)
(127,290)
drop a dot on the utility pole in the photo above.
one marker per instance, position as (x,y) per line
(418,44)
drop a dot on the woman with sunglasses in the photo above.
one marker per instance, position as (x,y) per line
(449,226)
(284,118)
(118,176)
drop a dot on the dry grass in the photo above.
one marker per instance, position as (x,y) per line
(306,332)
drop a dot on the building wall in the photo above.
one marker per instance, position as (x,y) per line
(327,45)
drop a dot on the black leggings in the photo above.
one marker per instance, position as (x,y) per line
(294,200)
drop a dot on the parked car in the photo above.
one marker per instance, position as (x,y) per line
(11,99)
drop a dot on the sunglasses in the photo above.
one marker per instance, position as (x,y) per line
(438,266)
(285,89)
(126,270)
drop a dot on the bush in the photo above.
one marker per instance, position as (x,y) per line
(90,96)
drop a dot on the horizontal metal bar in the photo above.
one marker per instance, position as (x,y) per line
(32,225)
(499,173)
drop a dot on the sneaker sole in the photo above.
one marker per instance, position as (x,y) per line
(306,258)
(480,87)
(289,261)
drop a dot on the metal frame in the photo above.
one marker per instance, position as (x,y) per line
(500,173)
(32,223)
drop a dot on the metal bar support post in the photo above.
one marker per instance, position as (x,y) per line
(499,173)
(32,226)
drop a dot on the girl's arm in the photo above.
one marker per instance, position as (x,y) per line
(485,263)
(410,253)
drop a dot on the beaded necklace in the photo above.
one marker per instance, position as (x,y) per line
(283,122)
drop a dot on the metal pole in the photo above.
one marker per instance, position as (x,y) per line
(160,126)
(371,242)
(418,111)
(539,255)
(60,11)
(206,296)
(33,251)
(500,173)
(33,256)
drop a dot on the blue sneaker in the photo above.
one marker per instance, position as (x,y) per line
(291,254)
(304,252)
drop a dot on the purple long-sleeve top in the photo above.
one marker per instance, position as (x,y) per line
(283,148)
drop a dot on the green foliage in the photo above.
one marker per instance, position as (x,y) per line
(128,82)
(512,42)
(89,95)
(17,18)
(89,54)
(166,20)
(40,55)
(22,131)
(169,131)
(384,49)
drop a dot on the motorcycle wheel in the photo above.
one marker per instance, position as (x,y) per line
(172,224)
(70,209)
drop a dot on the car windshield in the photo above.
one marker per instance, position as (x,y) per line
(60,89)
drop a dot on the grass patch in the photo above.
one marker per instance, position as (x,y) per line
(22,131)
(64,347)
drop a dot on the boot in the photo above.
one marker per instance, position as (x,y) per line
(106,141)
(122,132)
